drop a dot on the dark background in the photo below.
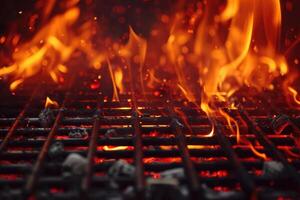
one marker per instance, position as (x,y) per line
(138,13)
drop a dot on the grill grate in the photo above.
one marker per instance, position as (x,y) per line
(150,135)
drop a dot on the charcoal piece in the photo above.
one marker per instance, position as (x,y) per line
(78,133)
(111,133)
(177,173)
(75,163)
(164,188)
(281,124)
(129,192)
(212,194)
(273,169)
(113,184)
(121,168)
(56,150)
(163,181)
(46,118)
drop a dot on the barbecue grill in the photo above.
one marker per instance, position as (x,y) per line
(140,148)
(164,100)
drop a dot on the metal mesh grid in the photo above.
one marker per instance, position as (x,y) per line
(154,140)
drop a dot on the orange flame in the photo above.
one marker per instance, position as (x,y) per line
(295,95)
(119,79)
(51,103)
(230,120)
(209,112)
(135,54)
(52,47)
(257,153)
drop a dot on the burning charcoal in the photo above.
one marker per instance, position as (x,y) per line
(273,169)
(75,163)
(121,168)
(56,150)
(281,124)
(46,117)
(177,173)
(111,133)
(78,133)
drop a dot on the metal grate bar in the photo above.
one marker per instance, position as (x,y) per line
(21,115)
(270,147)
(242,174)
(92,150)
(32,179)
(190,171)
(138,149)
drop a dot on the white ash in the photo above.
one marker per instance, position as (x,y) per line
(212,194)
(177,173)
(273,169)
(111,133)
(76,163)
(78,133)
(121,168)
(162,181)
(46,117)
(56,150)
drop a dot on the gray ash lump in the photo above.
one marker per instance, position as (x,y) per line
(121,168)
(273,169)
(78,133)
(167,186)
(177,173)
(46,118)
(75,163)
(111,133)
(56,150)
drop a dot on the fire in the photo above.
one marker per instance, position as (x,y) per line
(51,47)
(119,79)
(209,112)
(134,53)
(51,103)
(295,95)
(230,120)
(207,54)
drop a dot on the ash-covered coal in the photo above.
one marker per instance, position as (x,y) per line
(46,118)
(177,173)
(121,168)
(212,194)
(56,150)
(110,133)
(78,133)
(273,169)
(75,164)
(167,186)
